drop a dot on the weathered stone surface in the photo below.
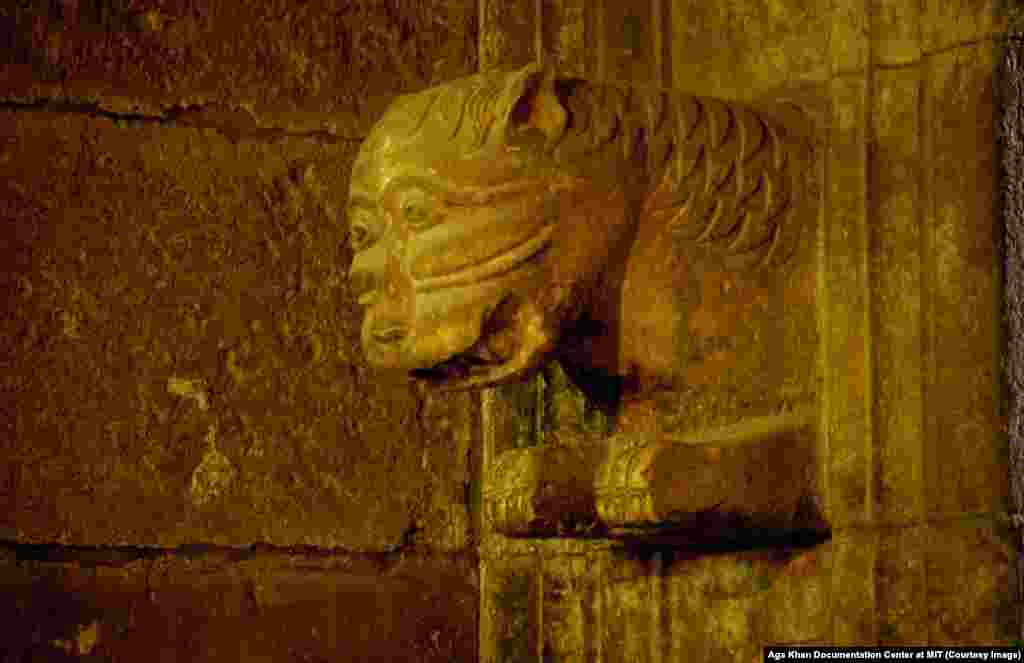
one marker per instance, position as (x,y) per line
(849,36)
(630,42)
(509,606)
(508,34)
(899,301)
(661,605)
(968,460)
(1010,93)
(853,586)
(944,582)
(901,583)
(260,607)
(899,293)
(896,31)
(967,571)
(740,50)
(627,604)
(911,274)
(319,66)
(845,320)
(570,589)
(796,605)
(685,596)
(184,346)
(564,25)
(948,23)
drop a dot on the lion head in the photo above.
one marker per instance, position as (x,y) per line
(474,244)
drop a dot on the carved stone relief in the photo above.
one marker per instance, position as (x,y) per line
(758,475)
(506,220)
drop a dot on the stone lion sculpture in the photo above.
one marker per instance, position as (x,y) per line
(504,220)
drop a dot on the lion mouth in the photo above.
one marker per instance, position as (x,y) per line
(478,359)
(388,334)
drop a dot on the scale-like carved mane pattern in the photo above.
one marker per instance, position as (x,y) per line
(717,172)
(728,178)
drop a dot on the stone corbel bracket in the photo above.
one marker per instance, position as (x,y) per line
(751,480)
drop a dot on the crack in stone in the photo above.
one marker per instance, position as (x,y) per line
(185,116)
(118,555)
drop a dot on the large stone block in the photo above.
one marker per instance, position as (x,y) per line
(687,583)
(570,589)
(632,39)
(628,608)
(510,607)
(895,31)
(727,605)
(849,36)
(898,294)
(911,293)
(967,464)
(319,66)
(183,362)
(967,569)
(912,442)
(853,555)
(224,607)
(948,23)
(844,311)
(942,582)
(508,33)
(741,50)
(797,603)
(901,585)
(565,35)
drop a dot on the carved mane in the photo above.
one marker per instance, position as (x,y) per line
(601,166)
(716,172)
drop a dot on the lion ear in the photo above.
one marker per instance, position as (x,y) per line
(530,105)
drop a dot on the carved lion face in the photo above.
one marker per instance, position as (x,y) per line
(450,233)
(443,261)
(471,243)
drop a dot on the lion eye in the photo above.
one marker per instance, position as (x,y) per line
(360,235)
(417,215)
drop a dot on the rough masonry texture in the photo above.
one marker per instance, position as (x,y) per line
(180,349)
(1012,182)
(315,67)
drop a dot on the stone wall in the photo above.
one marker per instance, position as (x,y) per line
(912,445)
(196,462)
